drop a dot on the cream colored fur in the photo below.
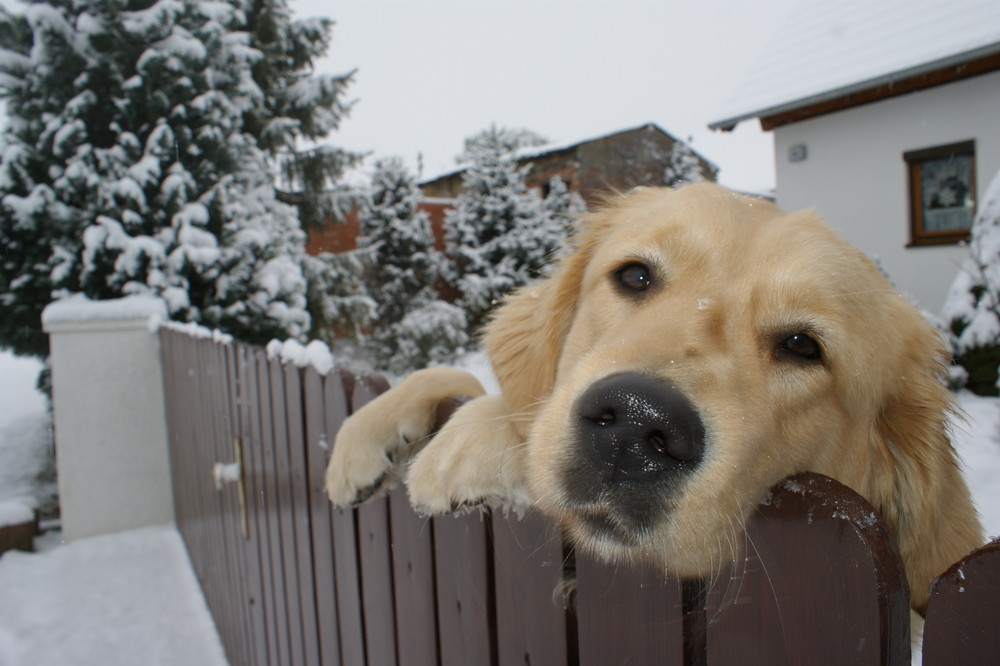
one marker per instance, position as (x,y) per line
(736,273)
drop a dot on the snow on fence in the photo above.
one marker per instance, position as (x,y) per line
(293,581)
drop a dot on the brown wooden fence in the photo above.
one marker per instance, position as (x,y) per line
(292,581)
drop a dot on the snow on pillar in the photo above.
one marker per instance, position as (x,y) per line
(110,419)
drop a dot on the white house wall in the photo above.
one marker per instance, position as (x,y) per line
(855,176)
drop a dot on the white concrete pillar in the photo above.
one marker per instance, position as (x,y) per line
(109,413)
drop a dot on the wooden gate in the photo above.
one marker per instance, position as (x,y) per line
(293,581)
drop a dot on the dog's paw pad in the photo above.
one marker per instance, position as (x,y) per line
(442,505)
(347,489)
(362,495)
(462,507)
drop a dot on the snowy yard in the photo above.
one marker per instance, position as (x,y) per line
(24,439)
(132,598)
(179,151)
(123,599)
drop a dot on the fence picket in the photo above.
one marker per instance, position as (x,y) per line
(465,605)
(281,653)
(223,405)
(299,495)
(413,583)
(317,445)
(962,625)
(286,514)
(627,614)
(818,555)
(204,457)
(258,558)
(375,559)
(528,570)
(339,396)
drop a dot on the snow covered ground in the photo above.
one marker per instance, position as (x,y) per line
(977,440)
(132,598)
(125,599)
(25,440)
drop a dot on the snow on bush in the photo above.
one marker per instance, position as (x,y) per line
(315,354)
(431,334)
(410,327)
(564,207)
(683,167)
(17,511)
(337,295)
(500,235)
(972,308)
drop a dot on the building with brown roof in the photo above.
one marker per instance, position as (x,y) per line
(615,162)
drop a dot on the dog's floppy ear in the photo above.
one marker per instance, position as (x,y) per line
(525,338)
(918,487)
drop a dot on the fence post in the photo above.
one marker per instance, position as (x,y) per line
(110,423)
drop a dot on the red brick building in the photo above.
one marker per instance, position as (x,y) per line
(341,237)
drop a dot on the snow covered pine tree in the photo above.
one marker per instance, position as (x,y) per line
(499,235)
(683,167)
(564,206)
(138,159)
(412,326)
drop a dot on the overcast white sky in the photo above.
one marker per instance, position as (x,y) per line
(432,72)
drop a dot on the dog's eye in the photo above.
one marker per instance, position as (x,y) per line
(634,276)
(800,346)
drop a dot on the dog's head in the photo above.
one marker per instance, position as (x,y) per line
(697,347)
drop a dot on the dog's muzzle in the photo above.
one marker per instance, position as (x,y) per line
(634,435)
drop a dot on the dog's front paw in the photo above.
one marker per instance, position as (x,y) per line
(375,443)
(372,446)
(475,460)
(437,485)
(362,464)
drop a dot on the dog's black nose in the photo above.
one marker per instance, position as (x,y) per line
(635,427)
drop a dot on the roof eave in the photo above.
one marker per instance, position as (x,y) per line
(730,123)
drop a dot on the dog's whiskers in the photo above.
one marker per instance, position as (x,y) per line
(770,582)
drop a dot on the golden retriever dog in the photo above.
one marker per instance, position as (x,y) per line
(693,348)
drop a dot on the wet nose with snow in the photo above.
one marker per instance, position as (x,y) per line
(637,428)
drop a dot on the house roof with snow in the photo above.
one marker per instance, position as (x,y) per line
(832,55)
(530,152)
(591,167)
